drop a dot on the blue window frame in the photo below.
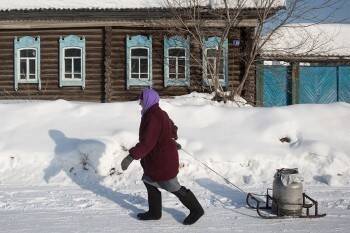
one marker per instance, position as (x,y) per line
(27,60)
(209,60)
(139,60)
(176,61)
(72,61)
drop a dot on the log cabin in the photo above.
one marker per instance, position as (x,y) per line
(104,51)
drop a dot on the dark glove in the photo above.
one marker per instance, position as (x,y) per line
(178,146)
(126,162)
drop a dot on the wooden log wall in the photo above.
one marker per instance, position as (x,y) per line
(105,65)
(119,92)
(108,63)
(49,46)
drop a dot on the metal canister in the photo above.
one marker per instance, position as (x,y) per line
(287,192)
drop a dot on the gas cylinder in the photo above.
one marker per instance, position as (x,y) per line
(287,192)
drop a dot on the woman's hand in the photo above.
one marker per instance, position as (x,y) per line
(178,146)
(126,162)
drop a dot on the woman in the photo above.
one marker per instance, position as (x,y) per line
(157,150)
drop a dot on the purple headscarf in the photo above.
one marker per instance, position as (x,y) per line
(149,98)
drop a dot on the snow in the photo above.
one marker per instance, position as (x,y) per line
(310,40)
(60,165)
(113,4)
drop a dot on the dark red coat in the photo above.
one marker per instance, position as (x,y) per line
(156,147)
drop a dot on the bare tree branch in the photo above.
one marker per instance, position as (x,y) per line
(192,16)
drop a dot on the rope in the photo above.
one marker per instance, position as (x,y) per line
(218,174)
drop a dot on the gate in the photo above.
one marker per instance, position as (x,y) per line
(318,85)
(344,84)
(285,85)
(275,86)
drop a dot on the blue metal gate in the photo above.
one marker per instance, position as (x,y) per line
(313,84)
(318,85)
(344,84)
(275,86)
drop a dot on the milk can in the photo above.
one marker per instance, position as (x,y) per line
(287,192)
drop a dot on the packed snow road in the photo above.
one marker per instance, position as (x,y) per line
(75,209)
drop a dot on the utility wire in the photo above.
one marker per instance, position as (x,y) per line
(218,174)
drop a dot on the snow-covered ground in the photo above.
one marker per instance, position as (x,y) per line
(60,172)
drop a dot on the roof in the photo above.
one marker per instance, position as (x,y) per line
(6,5)
(309,40)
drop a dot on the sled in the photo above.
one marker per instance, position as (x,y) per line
(264,207)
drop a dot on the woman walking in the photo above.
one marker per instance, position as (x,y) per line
(157,150)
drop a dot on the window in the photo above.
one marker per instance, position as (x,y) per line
(176,61)
(211,55)
(72,61)
(27,64)
(27,60)
(139,61)
(210,61)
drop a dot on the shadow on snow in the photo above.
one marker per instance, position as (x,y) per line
(233,198)
(79,159)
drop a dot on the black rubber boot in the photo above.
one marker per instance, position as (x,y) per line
(190,201)
(154,204)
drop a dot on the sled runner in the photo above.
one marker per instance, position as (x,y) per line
(288,199)
(265,210)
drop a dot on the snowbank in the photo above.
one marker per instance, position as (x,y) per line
(62,143)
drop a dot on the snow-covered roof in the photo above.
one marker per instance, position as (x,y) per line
(113,4)
(310,40)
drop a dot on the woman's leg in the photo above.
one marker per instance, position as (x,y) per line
(189,200)
(154,204)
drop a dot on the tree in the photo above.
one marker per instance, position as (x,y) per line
(194,16)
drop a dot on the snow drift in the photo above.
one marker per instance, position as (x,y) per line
(62,143)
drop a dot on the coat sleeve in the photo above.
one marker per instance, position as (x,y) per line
(148,138)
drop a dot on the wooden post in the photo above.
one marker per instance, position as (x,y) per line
(107,64)
(259,83)
(295,82)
